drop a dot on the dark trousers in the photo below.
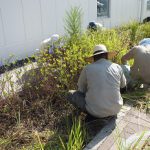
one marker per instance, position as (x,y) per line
(77,99)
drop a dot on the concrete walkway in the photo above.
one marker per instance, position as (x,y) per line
(120,132)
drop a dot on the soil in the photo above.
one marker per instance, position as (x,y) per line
(20,117)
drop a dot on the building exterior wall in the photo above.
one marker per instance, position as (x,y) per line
(25,23)
(124,11)
(121,11)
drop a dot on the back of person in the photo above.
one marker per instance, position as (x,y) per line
(142,62)
(140,72)
(104,80)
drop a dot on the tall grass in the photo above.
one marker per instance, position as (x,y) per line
(131,28)
(76,137)
(143,31)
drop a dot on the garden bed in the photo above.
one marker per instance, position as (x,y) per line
(16,64)
(21,118)
(36,117)
(40,122)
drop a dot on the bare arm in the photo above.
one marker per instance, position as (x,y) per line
(127,56)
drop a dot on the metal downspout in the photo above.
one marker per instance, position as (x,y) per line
(141,9)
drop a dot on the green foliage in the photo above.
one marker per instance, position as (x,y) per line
(143,32)
(76,137)
(73,21)
(4,143)
(131,29)
(136,31)
(66,64)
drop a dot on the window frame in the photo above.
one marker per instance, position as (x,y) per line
(148,5)
(108,10)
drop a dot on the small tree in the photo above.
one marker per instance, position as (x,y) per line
(73,21)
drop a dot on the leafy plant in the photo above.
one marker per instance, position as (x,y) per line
(130,28)
(76,137)
(143,32)
(73,21)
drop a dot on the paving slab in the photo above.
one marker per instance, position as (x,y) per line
(129,122)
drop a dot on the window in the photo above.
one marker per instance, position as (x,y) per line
(103,8)
(148,4)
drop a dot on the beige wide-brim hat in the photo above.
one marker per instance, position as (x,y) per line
(101,49)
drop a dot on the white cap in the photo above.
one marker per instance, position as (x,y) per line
(145,41)
(54,38)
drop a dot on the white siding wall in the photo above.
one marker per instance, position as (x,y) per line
(121,11)
(124,11)
(25,23)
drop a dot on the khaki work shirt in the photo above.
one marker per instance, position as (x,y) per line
(101,82)
(141,67)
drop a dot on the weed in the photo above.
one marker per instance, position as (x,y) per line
(76,137)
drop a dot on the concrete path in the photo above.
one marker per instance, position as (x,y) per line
(121,131)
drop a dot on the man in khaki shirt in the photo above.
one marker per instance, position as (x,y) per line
(99,86)
(140,70)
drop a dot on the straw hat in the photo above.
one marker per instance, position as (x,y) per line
(101,49)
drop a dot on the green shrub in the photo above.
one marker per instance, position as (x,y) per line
(135,31)
(66,64)
(142,32)
(131,29)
